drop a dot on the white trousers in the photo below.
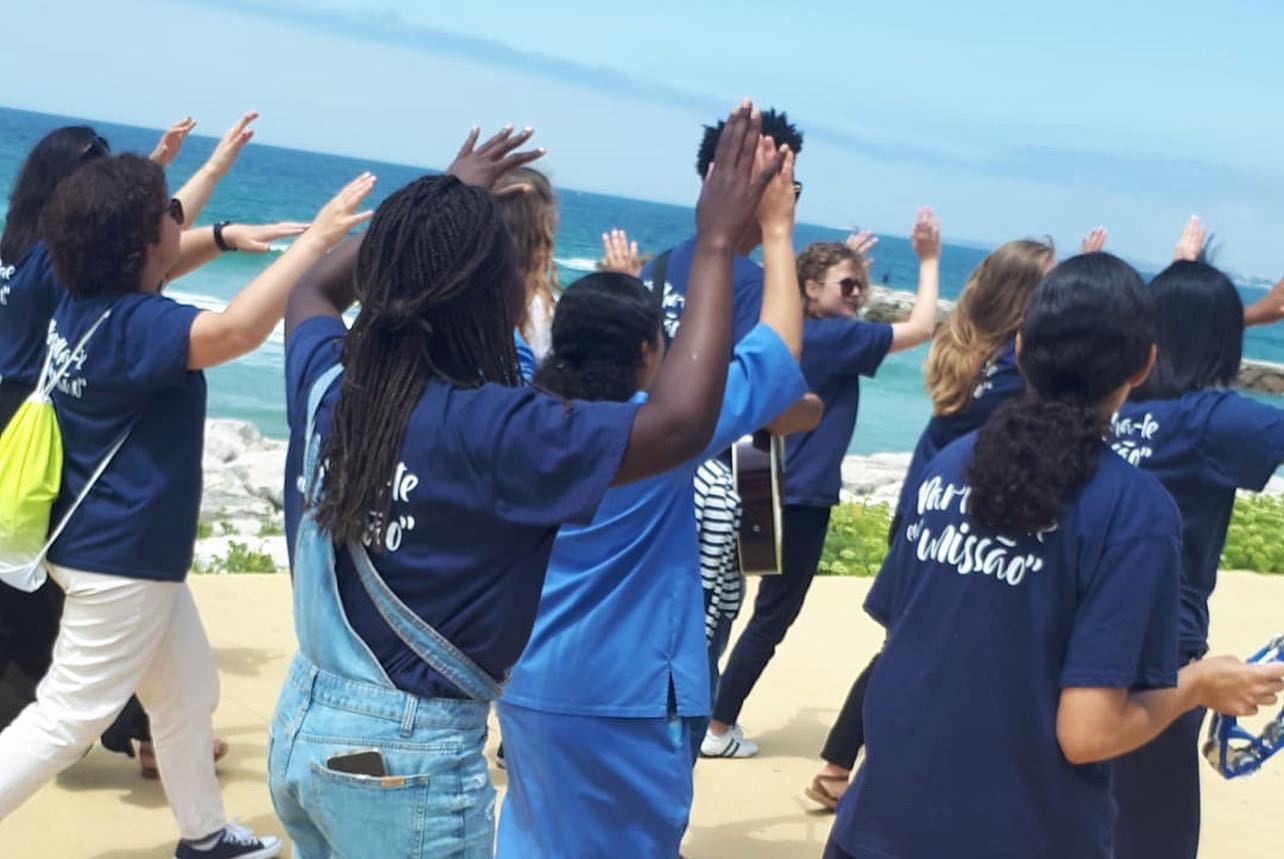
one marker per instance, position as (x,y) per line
(119,636)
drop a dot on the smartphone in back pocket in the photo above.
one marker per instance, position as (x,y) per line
(368,762)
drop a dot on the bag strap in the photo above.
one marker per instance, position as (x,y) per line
(89,484)
(414,632)
(46,384)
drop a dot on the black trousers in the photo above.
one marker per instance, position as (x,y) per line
(780,599)
(847,736)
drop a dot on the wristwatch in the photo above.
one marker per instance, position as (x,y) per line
(218,237)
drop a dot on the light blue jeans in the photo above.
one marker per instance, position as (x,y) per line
(436,801)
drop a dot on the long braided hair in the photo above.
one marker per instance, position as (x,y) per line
(439,294)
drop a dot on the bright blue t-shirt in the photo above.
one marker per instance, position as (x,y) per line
(139,519)
(1000,381)
(1202,446)
(486,477)
(746,290)
(525,357)
(29,292)
(984,630)
(622,613)
(836,353)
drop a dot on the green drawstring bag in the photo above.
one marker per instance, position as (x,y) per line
(31,476)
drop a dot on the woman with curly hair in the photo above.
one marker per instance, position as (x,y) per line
(1030,603)
(29,292)
(971,370)
(132,383)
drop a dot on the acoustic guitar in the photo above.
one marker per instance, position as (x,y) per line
(757,466)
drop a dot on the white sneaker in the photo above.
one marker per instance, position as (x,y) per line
(732,744)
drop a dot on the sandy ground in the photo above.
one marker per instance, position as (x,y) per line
(101,809)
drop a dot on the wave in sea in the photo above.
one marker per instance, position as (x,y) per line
(576,263)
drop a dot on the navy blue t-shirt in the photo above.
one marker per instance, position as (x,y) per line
(139,519)
(1202,447)
(1000,381)
(984,630)
(29,292)
(746,290)
(486,477)
(836,352)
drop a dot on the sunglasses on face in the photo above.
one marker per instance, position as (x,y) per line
(848,285)
(175,210)
(797,190)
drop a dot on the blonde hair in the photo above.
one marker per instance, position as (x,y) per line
(989,312)
(531,219)
(818,258)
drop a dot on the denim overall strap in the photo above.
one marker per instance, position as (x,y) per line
(424,641)
(326,638)
(319,613)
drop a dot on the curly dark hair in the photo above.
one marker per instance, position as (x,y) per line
(775,124)
(440,293)
(599,328)
(1090,326)
(51,160)
(99,222)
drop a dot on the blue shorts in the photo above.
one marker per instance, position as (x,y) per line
(593,786)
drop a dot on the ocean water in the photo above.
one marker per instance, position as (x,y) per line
(275,184)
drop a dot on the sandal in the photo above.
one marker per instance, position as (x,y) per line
(147,757)
(819,793)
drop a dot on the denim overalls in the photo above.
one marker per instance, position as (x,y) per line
(436,799)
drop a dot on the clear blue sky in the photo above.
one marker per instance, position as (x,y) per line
(1011,118)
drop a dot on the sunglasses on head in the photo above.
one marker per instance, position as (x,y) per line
(96,146)
(174,208)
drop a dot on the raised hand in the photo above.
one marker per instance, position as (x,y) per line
(777,207)
(171,142)
(230,145)
(257,238)
(340,214)
(619,254)
(926,235)
(1191,242)
(483,166)
(732,189)
(1094,241)
(861,242)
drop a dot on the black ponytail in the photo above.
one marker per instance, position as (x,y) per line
(1090,326)
(601,323)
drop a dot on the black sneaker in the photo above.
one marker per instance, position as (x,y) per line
(234,842)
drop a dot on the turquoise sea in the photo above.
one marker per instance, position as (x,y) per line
(273,184)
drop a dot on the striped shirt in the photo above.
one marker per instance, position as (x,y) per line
(717,507)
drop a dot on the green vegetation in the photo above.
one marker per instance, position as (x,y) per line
(204,530)
(225,527)
(268,527)
(857,540)
(239,558)
(1255,540)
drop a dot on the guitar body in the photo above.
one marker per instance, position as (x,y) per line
(757,465)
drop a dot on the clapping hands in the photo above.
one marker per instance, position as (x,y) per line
(736,181)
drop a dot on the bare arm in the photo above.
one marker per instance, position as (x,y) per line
(218,337)
(197,247)
(921,324)
(197,190)
(1267,309)
(782,308)
(802,416)
(678,419)
(1098,724)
